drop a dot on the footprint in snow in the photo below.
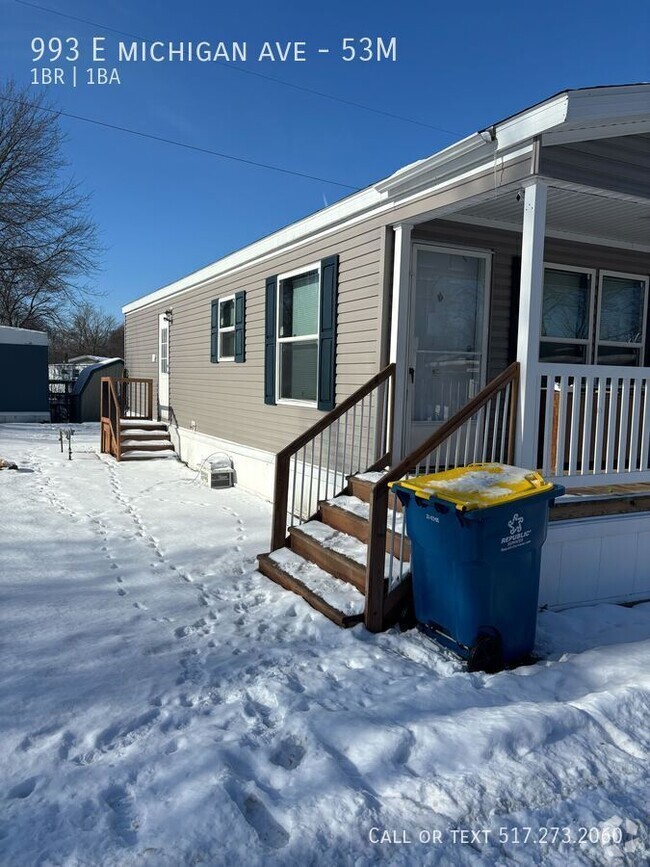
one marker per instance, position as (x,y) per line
(124,820)
(23,790)
(67,742)
(269,831)
(288,754)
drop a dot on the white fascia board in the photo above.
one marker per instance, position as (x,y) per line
(23,336)
(582,115)
(608,103)
(619,127)
(445,162)
(531,123)
(353,205)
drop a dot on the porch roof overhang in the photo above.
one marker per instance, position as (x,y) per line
(570,116)
(574,211)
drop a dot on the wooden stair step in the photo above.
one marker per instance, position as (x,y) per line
(144,423)
(361,488)
(355,523)
(322,591)
(141,455)
(129,445)
(135,434)
(335,562)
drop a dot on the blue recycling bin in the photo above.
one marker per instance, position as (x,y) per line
(476,538)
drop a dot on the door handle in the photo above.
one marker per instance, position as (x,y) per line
(412,374)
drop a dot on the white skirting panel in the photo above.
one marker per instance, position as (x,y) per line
(596,560)
(254,468)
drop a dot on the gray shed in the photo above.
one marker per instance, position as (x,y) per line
(85,392)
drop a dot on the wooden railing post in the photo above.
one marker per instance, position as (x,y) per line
(149,399)
(280,501)
(375,580)
(512,420)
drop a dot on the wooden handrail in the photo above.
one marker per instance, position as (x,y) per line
(337,412)
(510,374)
(283,458)
(375,583)
(107,390)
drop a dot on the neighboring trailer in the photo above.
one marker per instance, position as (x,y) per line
(23,382)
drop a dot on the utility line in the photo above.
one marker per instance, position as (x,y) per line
(236,68)
(181,144)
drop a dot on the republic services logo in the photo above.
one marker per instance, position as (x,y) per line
(515,524)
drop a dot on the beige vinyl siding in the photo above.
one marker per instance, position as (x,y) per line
(227,399)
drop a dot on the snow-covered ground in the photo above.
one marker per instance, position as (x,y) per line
(162,703)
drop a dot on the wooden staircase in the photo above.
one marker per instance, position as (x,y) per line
(142,440)
(324,559)
(128,429)
(338,537)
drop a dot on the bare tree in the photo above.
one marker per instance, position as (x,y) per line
(88,330)
(48,242)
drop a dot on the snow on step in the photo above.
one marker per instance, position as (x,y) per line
(149,442)
(373,477)
(161,453)
(352,548)
(152,433)
(139,422)
(360,509)
(339,594)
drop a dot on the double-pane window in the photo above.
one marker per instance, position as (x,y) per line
(298,303)
(589,321)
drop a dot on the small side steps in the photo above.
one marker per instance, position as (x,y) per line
(143,440)
(324,559)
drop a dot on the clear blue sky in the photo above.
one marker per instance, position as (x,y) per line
(164,211)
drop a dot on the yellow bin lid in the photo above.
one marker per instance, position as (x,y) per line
(478,486)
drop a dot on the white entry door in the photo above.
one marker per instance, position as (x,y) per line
(163,366)
(448,336)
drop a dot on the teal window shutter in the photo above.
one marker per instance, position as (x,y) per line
(329,278)
(214,332)
(240,327)
(269,340)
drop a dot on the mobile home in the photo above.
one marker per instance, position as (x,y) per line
(488,302)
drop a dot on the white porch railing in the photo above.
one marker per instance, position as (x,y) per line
(594,423)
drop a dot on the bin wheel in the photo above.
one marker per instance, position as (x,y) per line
(486,654)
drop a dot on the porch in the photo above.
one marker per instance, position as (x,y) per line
(557,406)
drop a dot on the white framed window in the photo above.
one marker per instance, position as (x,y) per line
(622,313)
(227,328)
(593,317)
(298,304)
(567,314)
(164,349)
